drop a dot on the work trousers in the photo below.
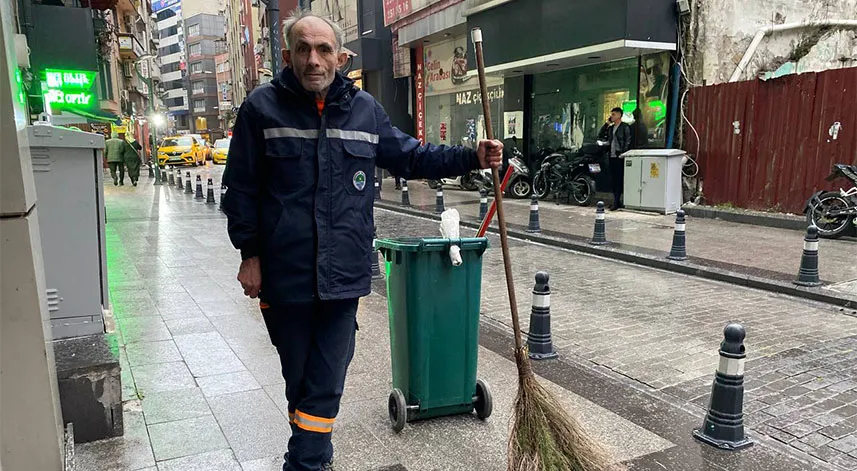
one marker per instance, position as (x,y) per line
(617,179)
(117,166)
(315,342)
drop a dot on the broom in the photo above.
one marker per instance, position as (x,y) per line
(543,436)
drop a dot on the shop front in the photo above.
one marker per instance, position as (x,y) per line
(450,99)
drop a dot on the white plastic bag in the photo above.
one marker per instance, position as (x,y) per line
(449,230)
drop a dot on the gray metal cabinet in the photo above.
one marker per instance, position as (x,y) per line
(653,179)
(68,172)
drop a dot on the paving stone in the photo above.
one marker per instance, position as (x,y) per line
(186,437)
(159,377)
(816,440)
(221,460)
(145,353)
(846,462)
(839,430)
(826,453)
(207,354)
(218,385)
(801,429)
(168,406)
(845,444)
(846,411)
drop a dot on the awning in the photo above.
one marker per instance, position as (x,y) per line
(98,116)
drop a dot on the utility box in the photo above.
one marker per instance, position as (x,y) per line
(70,196)
(653,179)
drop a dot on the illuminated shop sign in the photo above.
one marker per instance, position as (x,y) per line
(69,89)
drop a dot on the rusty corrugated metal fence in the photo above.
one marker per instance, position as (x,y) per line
(769,145)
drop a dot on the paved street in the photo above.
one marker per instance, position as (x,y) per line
(638,348)
(761,251)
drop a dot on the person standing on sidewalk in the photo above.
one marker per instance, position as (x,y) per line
(118,151)
(299,204)
(132,161)
(620,142)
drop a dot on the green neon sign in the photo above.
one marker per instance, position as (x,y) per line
(69,89)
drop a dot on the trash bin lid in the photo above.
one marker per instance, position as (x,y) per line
(417,244)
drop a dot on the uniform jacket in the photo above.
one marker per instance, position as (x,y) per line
(301,186)
(118,150)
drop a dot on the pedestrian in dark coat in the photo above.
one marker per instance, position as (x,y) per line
(619,136)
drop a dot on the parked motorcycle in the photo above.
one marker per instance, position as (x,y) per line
(833,212)
(473,180)
(519,183)
(571,173)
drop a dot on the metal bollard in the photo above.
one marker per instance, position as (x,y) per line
(723,426)
(438,207)
(172,177)
(151,170)
(483,203)
(376,269)
(807,275)
(164,175)
(179,183)
(534,226)
(377,190)
(189,187)
(406,199)
(678,251)
(222,195)
(199,195)
(209,195)
(539,342)
(599,235)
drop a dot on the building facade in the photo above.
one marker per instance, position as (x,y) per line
(223,69)
(202,33)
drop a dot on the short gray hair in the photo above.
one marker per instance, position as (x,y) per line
(297,15)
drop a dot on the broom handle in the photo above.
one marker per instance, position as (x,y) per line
(498,191)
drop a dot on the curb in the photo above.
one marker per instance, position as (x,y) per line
(754,218)
(684,267)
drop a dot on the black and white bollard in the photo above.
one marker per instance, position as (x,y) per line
(151,170)
(376,268)
(188,189)
(164,175)
(199,195)
(179,183)
(222,195)
(539,342)
(172,177)
(483,203)
(534,227)
(723,426)
(679,247)
(377,190)
(406,198)
(599,235)
(209,194)
(808,273)
(438,206)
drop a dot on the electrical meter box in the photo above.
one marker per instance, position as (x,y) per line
(68,174)
(653,179)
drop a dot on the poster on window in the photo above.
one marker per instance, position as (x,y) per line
(446,68)
(513,124)
(649,127)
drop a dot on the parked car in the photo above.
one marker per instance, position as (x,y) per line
(221,150)
(180,150)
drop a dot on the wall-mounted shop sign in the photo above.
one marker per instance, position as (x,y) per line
(69,89)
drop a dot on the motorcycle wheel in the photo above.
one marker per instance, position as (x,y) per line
(434,184)
(583,190)
(520,188)
(541,187)
(467,183)
(829,227)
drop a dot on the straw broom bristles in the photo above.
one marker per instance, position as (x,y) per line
(544,437)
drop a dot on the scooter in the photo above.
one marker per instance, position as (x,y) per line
(833,212)
(472,180)
(570,172)
(519,183)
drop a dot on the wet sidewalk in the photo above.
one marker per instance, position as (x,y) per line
(741,249)
(202,388)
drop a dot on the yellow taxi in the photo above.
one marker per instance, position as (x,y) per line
(205,147)
(180,150)
(220,151)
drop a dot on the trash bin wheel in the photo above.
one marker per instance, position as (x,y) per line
(398,409)
(484,404)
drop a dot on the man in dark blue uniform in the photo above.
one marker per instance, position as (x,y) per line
(299,203)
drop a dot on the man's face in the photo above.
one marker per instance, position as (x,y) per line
(314,56)
(616,117)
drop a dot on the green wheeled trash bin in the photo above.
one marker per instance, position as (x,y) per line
(434,328)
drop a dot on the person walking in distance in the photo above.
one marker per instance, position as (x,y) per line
(132,161)
(619,135)
(118,151)
(299,203)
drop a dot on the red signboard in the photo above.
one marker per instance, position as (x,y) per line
(419,81)
(395,10)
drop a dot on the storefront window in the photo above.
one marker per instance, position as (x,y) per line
(453,102)
(654,93)
(570,106)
